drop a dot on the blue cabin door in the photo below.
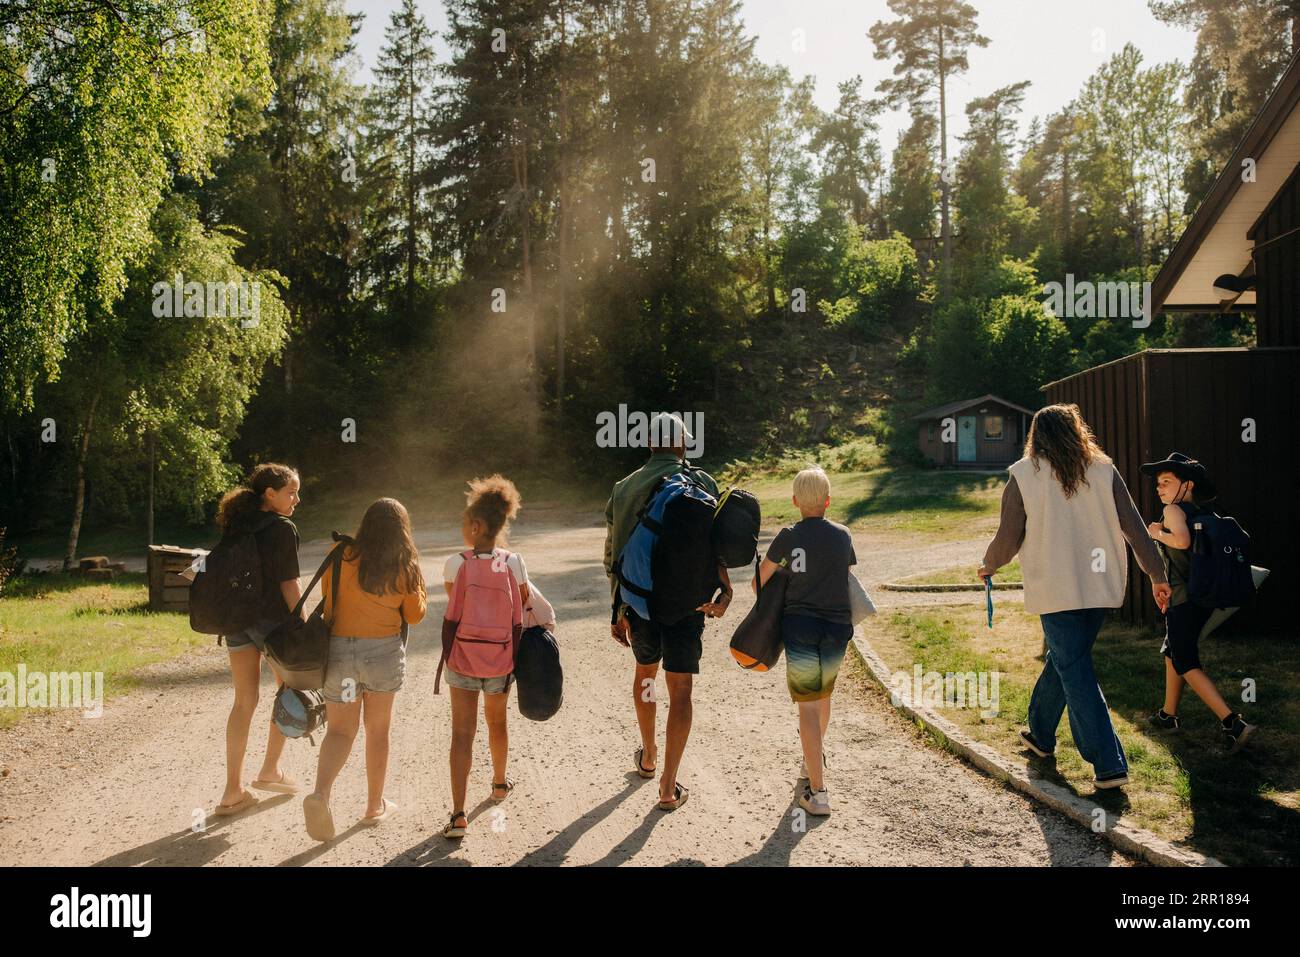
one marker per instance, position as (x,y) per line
(966,438)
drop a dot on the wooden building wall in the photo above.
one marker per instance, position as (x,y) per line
(1277,268)
(1194,401)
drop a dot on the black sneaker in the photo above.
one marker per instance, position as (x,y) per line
(1163,722)
(1239,733)
(1033,745)
(1115,780)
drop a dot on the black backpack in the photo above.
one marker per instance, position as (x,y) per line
(538,674)
(667,569)
(1220,562)
(226,594)
(298,651)
(735,528)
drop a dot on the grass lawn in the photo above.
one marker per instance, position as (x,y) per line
(930,502)
(963,575)
(1242,808)
(63,623)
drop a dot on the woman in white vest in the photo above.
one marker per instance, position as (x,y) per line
(1067,512)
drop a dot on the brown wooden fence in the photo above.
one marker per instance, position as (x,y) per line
(1204,403)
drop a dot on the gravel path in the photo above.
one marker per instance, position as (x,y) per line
(127,788)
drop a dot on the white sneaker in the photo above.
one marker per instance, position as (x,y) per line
(815,802)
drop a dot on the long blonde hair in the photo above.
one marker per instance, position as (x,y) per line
(1059,436)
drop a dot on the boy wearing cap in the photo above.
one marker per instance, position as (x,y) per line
(1183,483)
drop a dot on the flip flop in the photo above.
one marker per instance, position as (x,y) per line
(507,787)
(286,785)
(451,831)
(245,801)
(680,794)
(387,812)
(637,755)
(320,822)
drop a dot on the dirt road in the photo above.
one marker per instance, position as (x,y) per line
(127,788)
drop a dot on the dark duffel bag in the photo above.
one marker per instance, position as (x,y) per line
(298,650)
(756,644)
(538,674)
(735,528)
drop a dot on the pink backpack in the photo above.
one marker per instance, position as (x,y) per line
(484,619)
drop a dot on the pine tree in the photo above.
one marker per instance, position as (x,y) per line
(931,41)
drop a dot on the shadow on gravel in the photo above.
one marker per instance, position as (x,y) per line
(189,848)
(557,848)
(435,850)
(785,837)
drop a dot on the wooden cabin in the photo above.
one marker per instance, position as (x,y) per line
(1233,409)
(987,432)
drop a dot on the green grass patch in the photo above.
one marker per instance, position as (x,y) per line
(963,575)
(62,623)
(1242,808)
(917,501)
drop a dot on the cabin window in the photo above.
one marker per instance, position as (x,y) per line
(993,427)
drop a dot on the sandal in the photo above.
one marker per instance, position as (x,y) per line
(451,831)
(286,785)
(245,801)
(680,794)
(318,818)
(507,787)
(389,809)
(637,755)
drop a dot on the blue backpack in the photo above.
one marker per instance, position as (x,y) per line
(668,567)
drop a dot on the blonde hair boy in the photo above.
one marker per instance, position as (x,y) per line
(811,490)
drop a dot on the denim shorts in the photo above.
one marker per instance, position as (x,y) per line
(497,685)
(252,636)
(358,665)
(814,650)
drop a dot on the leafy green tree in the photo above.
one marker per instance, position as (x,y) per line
(1238,61)
(156,394)
(99,104)
(846,141)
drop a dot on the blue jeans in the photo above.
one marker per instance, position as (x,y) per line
(1068,679)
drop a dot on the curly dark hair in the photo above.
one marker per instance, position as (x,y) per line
(494,501)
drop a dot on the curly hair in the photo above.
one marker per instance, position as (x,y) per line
(494,501)
(1059,436)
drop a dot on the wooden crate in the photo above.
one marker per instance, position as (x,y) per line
(168,589)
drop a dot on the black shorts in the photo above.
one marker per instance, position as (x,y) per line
(1183,624)
(679,646)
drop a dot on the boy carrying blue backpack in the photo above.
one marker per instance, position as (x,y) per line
(1208,566)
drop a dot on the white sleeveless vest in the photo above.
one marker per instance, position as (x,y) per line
(1074,553)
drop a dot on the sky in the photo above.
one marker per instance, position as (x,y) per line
(1056,44)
